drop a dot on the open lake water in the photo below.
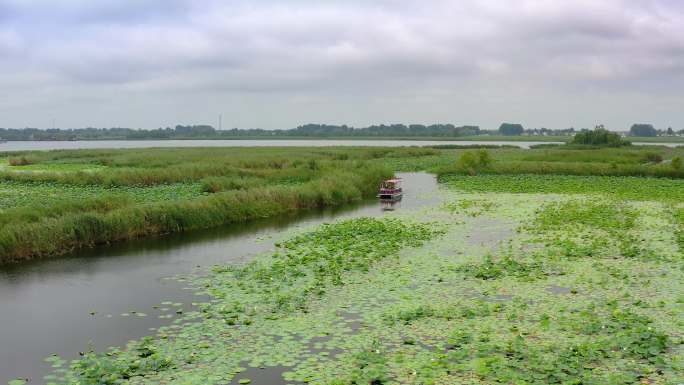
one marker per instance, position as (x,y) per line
(93,144)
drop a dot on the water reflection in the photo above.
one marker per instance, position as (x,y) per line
(390,204)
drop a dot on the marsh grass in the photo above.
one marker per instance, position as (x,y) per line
(72,199)
(632,188)
(642,161)
(66,227)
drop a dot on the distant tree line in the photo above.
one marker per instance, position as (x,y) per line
(209,132)
(307,130)
(90,133)
(383,130)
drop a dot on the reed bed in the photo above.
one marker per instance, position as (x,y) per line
(57,234)
(46,211)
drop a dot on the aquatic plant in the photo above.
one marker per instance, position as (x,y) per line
(392,300)
(309,263)
(272,288)
(506,266)
(632,188)
(472,207)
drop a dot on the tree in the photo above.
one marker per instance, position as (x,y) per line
(670,131)
(642,130)
(599,137)
(471,161)
(511,129)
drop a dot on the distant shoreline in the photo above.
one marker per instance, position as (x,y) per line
(483,138)
(477,138)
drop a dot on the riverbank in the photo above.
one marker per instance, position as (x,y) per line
(487,287)
(58,201)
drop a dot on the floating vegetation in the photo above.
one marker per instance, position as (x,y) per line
(631,188)
(406,299)
(471,207)
(308,264)
(506,266)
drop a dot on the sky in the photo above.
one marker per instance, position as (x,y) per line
(278,64)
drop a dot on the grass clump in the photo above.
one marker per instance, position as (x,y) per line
(507,266)
(19,161)
(470,207)
(473,162)
(216,184)
(406,315)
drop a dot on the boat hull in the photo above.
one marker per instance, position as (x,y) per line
(390,196)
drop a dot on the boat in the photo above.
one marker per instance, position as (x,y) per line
(390,190)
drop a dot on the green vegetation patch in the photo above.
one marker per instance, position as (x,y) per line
(471,207)
(309,263)
(632,188)
(56,201)
(492,268)
(18,194)
(406,300)
(607,215)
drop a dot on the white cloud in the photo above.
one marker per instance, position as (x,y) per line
(337,52)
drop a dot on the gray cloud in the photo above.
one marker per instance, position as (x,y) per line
(273,64)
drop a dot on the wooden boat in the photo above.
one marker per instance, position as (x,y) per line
(390,189)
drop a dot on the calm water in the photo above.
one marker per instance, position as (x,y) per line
(45,305)
(70,145)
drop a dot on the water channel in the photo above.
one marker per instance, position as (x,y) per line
(94,298)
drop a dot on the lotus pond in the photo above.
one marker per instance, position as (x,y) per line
(488,287)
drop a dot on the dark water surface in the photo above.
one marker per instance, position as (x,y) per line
(45,306)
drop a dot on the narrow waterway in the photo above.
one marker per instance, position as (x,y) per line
(107,296)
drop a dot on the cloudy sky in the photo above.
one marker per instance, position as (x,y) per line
(277,64)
